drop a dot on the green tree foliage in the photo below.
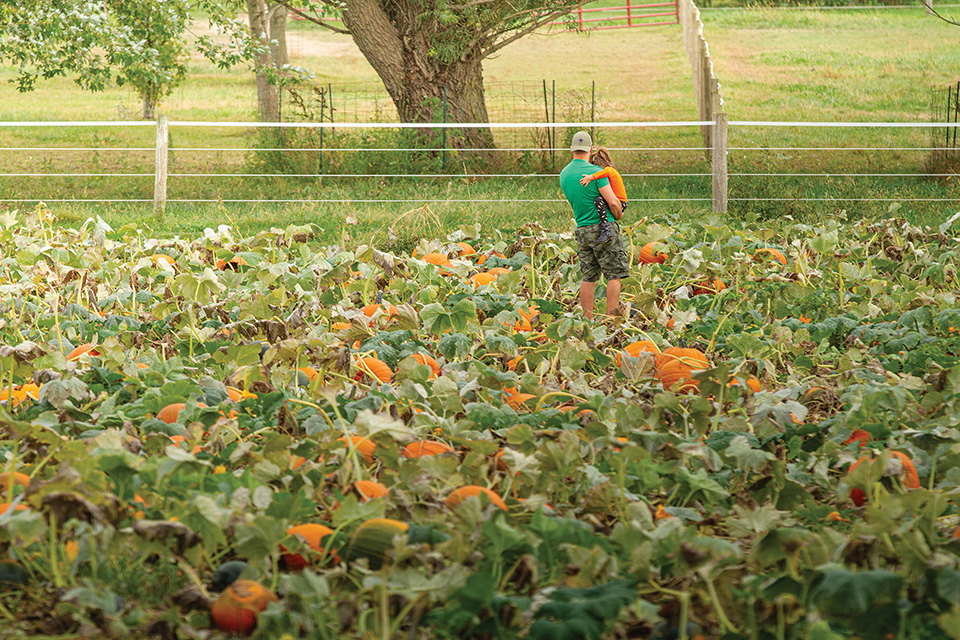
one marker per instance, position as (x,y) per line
(101,43)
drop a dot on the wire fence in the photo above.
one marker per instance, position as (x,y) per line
(385,164)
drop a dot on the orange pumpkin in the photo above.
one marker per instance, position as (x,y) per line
(465,249)
(859,436)
(673,368)
(310,372)
(649,254)
(171,412)
(752,382)
(634,349)
(21,479)
(157,258)
(909,477)
(371,309)
(5,506)
(436,258)
(483,256)
(233,263)
(770,254)
(82,349)
(457,496)
(370,489)
(428,360)
(364,446)
(482,279)
(423,448)
(314,535)
(237,608)
(239,394)
(24,392)
(705,287)
(375,367)
(516,400)
(498,271)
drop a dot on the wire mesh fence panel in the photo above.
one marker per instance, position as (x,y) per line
(531,101)
(945,107)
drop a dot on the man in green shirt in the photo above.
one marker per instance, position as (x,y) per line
(599,251)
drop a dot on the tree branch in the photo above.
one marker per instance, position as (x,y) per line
(947,20)
(311,18)
(535,24)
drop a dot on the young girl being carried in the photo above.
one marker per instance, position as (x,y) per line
(601,158)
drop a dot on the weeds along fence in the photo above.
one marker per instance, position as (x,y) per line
(768,168)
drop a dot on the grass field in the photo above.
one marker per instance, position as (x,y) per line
(773,65)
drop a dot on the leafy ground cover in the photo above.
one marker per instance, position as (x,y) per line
(273,436)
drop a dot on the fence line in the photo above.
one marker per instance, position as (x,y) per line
(626,12)
(706,87)
(718,172)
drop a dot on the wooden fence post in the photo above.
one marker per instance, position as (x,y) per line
(719,165)
(160,168)
(929,5)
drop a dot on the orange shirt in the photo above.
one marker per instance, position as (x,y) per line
(616,181)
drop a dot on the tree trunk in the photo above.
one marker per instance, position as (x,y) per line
(399,51)
(149,97)
(278,32)
(267,106)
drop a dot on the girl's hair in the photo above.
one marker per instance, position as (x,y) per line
(601,157)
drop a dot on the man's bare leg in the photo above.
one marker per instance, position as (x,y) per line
(587,290)
(613,295)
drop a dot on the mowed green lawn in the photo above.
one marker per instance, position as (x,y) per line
(773,65)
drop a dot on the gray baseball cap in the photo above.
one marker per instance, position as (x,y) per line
(581,141)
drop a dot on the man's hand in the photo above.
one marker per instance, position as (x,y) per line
(586,179)
(613,202)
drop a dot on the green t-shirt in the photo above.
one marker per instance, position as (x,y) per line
(581,197)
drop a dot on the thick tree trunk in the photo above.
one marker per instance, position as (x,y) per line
(268,109)
(398,48)
(278,32)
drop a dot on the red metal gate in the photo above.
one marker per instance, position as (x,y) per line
(623,17)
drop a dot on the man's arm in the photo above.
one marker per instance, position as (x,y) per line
(612,201)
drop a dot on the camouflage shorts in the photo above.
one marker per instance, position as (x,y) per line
(609,257)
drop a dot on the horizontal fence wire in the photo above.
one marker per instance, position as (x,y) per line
(461,150)
(352,200)
(339,149)
(466,175)
(329,175)
(834,148)
(367,125)
(826,8)
(480,125)
(496,125)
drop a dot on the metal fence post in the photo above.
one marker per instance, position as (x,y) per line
(718,167)
(160,168)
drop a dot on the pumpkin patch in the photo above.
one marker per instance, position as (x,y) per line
(761,443)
